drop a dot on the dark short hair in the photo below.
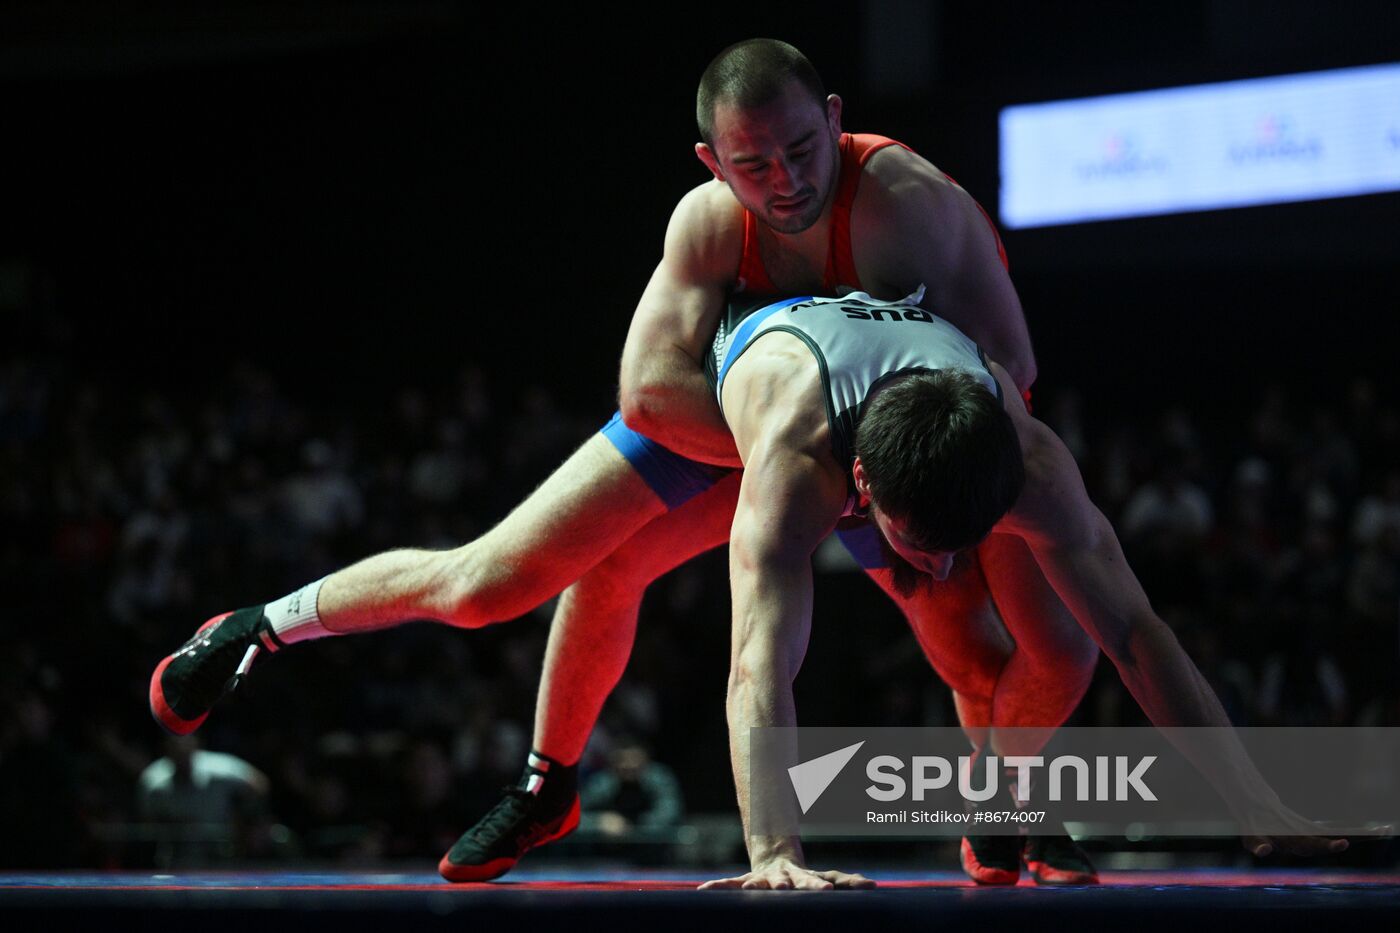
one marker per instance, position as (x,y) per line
(750,74)
(941,455)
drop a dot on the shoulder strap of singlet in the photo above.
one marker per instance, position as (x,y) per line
(856,150)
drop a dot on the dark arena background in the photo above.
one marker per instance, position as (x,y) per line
(283,285)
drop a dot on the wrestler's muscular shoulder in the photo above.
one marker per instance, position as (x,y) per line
(773,396)
(706,232)
(910,224)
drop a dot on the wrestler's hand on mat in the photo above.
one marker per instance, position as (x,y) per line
(787,875)
(1302,836)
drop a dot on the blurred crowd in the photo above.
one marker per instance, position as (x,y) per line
(1269,541)
(1267,534)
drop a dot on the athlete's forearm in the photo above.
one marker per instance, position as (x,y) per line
(1105,597)
(771,582)
(1079,552)
(754,702)
(1173,693)
(668,399)
(1092,577)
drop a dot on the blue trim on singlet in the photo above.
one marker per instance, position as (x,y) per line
(863,542)
(746,329)
(675,479)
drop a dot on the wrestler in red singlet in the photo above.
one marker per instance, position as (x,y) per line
(840,274)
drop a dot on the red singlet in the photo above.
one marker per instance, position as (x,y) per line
(856,150)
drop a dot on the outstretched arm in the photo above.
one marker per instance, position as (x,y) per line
(778,523)
(1079,552)
(791,497)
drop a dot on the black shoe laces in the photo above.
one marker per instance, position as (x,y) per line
(511,823)
(506,816)
(208,671)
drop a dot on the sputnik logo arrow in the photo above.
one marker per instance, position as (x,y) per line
(811,778)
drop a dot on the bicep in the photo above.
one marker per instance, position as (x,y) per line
(680,308)
(1072,540)
(1094,580)
(788,502)
(1076,546)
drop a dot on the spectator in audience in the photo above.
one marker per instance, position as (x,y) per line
(208,804)
(633,793)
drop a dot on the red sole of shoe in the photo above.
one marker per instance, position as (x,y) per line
(1046,874)
(981,873)
(495,868)
(164,716)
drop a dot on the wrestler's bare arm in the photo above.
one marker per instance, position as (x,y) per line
(791,497)
(663,390)
(912,225)
(1080,555)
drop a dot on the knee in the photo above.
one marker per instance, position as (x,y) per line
(474,588)
(976,677)
(469,592)
(1069,658)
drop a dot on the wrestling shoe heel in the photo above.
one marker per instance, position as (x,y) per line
(519,823)
(991,860)
(1058,859)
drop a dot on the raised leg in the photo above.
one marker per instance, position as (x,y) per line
(579,515)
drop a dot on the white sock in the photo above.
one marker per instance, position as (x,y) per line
(294,617)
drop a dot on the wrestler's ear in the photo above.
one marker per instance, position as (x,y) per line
(707,155)
(862,481)
(833,114)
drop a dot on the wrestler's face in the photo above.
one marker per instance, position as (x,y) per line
(781,160)
(935,564)
(932,563)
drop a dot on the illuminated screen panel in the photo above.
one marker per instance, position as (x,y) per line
(1325,134)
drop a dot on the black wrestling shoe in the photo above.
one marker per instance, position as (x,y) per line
(1058,860)
(992,859)
(519,823)
(187,683)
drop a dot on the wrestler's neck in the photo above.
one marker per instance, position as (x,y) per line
(796,262)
